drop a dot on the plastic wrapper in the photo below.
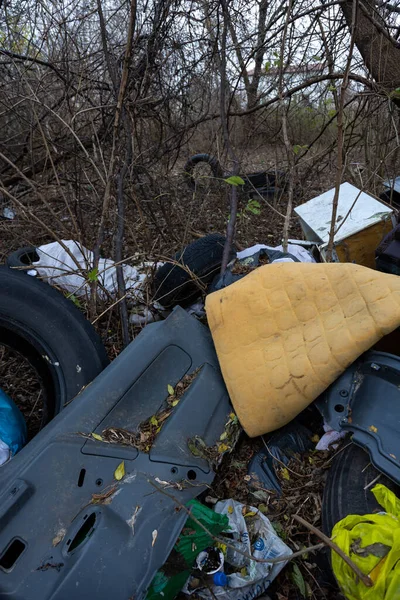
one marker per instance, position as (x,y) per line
(250,531)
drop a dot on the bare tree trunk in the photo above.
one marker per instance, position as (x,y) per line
(381,54)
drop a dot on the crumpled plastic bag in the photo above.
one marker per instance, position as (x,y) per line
(57,267)
(373,544)
(192,540)
(12,428)
(254,534)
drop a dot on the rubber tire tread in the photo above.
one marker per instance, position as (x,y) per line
(344,492)
(40,311)
(15,259)
(216,168)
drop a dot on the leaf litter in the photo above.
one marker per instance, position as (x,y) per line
(147,431)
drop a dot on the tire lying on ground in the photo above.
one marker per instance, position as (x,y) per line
(173,284)
(22,258)
(48,330)
(345,494)
(193,161)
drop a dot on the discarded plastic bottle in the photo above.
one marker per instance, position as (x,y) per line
(218,579)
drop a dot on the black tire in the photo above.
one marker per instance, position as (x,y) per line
(213,162)
(22,258)
(38,322)
(256,180)
(173,285)
(344,492)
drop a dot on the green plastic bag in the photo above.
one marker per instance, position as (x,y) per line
(191,542)
(373,544)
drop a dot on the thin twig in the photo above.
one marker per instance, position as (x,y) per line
(224,541)
(340,137)
(364,578)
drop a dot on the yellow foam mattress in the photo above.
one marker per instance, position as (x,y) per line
(286,331)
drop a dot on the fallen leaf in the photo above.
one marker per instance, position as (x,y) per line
(154,421)
(154,536)
(285,474)
(377,549)
(232,416)
(373,428)
(243,572)
(263,508)
(223,436)
(120,471)
(260,495)
(222,448)
(298,580)
(98,437)
(171,390)
(251,513)
(175,402)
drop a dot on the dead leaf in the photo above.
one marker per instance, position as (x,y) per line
(119,471)
(104,497)
(97,437)
(373,428)
(59,537)
(175,402)
(222,448)
(261,495)
(223,436)
(171,390)
(285,474)
(154,421)
(377,549)
(154,536)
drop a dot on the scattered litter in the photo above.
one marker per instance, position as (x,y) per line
(74,275)
(330,438)
(293,325)
(171,578)
(294,250)
(362,222)
(250,532)
(9,213)
(373,544)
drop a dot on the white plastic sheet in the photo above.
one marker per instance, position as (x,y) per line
(300,253)
(65,269)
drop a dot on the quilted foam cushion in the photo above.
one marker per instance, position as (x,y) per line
(286,331)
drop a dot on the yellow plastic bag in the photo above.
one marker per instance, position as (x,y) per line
(373,544)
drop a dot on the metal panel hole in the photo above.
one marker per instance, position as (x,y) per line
(81,477)
(12,554)
(83,533)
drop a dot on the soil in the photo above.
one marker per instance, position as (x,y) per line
(20,381)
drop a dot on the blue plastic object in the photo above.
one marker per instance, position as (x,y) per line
(12,424)
(220,579)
